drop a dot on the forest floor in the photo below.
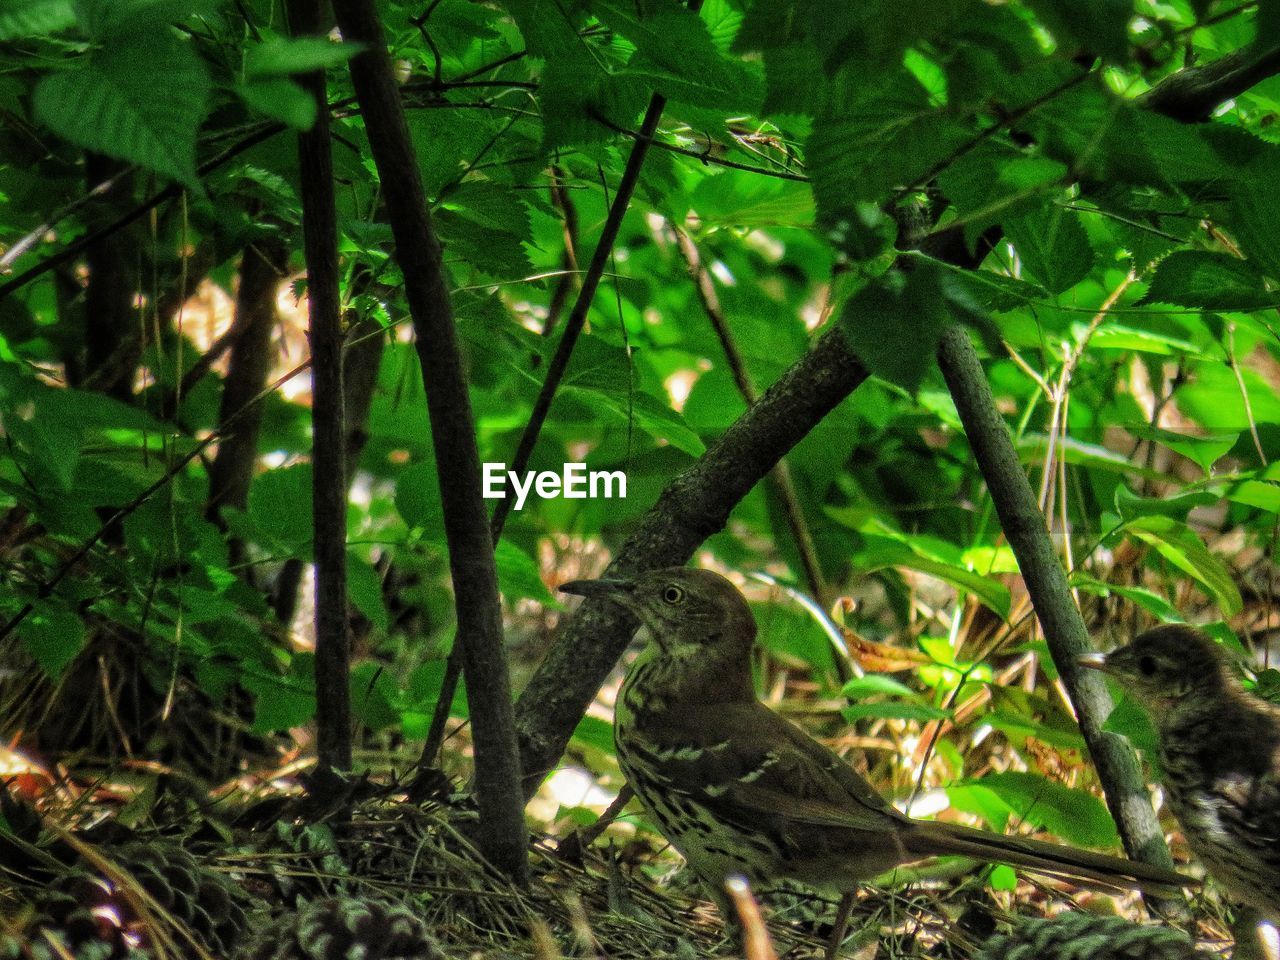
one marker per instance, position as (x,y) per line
(232,886)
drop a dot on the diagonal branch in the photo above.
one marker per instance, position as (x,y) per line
(694,505)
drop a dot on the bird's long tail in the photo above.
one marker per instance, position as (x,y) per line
(932,838)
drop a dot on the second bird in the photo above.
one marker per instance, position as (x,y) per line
(738,789)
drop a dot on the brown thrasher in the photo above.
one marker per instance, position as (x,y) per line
(1219,754)
(737,789)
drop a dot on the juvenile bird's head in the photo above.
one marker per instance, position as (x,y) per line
(687,611)
(1167,668)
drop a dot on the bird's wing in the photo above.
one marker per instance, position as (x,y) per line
(1250,781)
(745,757)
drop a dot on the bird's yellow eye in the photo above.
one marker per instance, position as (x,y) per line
(673,594)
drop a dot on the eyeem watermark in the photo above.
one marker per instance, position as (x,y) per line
(574,482)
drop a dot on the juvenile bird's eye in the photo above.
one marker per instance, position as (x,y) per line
(673,594)
(1147,666)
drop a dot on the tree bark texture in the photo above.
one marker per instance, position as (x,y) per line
(262,267)
(328,453)
(1024,527)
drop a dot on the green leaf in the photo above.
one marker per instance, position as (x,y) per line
(418,499)
(120,21)
(53,635)
(280,99)
(1152,602)
(373,694)
(918,712)
(1129,504)
(284,57)
(1209,281)
(894,327)
(674,54)
(595,732)
(1203,451)
(1179,545)
(518,576)
(1028,798)
(23,19)
(753,201)
(876,683)
(282,702)
(364,587)
(1264,495)
(1052,245)
(1118,336)
(880,552)
(1098,27)
(53,445)
(872,140)
(1130,720)
(280,508)
(110,103)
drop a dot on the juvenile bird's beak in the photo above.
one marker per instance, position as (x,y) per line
(1094,661)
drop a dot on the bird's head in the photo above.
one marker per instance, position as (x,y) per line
(1165,667)
(686,610)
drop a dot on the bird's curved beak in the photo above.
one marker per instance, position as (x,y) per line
(1094,661)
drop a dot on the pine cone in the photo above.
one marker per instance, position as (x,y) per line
(208,904)
(343,927)
(74,921)
(1086,936)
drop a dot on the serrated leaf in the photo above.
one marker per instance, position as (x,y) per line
(23,19)
(1052,245)
(894,325)
(284,57)
(869,142)
(110,103)
(675,55)
(1208,281)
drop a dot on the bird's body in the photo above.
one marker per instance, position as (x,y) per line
(1219,755)
(740,790)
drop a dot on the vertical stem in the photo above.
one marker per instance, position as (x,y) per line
(328,456)
(501,831)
